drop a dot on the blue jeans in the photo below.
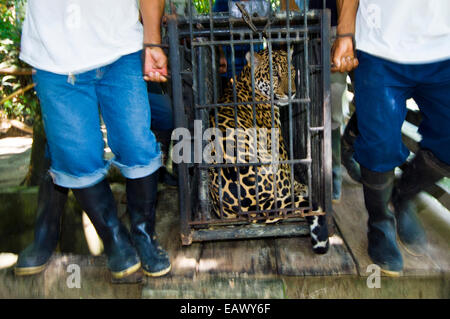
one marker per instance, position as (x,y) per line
(71,108)
(381,90)
(162,114)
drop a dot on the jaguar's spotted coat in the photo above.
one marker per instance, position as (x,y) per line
(270,195)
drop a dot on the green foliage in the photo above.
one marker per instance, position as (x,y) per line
(275,4)
(202,6)
(24,106)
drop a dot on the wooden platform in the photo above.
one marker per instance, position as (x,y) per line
(351,218)
(292,261)
(260,268)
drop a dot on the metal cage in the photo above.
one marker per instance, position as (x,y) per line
(193,41)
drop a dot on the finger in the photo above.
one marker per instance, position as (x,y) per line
(337,63)
(352,64)
(155,77)
(334,67)
(156,72)
(343,65)
(160,78)
(161,70)
(349,64)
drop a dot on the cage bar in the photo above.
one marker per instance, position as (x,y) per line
(194,40)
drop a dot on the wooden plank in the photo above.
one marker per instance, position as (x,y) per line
(350,287)
(251,232)
(351,217)
(209,287)
(54,281)
(26,287)
(296,258)
(6,125)
(243,257)
(20,91)
(95,279)
(16,71)
(184,259)
(441,193)
(21,126)
(436,220)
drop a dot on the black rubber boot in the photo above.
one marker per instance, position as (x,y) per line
(383,248)
(422,172)
(347,151)
(165,177)
(141,206)
(336,164)
(99,204)
(51,202)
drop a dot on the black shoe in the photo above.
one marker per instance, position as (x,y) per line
(51,202)
(141,206)
(99,204)
(383,248)
(422,172)
(347,151)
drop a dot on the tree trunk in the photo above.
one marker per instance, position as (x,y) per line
(38,163)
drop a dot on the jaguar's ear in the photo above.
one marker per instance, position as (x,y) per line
(248,57)
(291,51)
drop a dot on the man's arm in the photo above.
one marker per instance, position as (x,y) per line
(155,61)
(342,52)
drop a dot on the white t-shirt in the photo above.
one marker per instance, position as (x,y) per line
(73,36)
(404,31)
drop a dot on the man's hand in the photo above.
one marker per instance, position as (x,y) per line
(342,55)
(155,60)
(155,65)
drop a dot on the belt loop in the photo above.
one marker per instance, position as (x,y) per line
(99,73)
(71,78)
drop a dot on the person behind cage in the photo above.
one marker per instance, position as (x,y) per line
(226,52)
(89,62)
(402,52)
(162,125)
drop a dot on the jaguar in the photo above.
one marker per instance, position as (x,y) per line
(244,119)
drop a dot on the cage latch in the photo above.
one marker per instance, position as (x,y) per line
(246,17)
(248,20)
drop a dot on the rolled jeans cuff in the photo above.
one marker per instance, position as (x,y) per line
(139,171)
(70,181)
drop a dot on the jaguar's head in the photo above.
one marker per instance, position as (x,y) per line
(280,74)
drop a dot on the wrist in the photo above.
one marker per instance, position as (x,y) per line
(154,45)
(345,27)
(345,35)
(154,38)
